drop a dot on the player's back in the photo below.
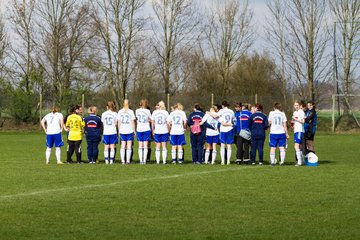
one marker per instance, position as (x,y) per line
(143,116)
(53,122)
(160,119)
(109,120)
(75,123)
(126,118)
(177,119)
(226,116)
(277,119)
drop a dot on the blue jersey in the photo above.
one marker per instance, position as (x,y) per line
(242,120)
(310,121)
(93,126)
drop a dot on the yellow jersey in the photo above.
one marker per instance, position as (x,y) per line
(76,125)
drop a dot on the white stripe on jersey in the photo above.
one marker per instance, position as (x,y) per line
(177,119)
(143,116)
(109,120)
(126,119)
(160,117)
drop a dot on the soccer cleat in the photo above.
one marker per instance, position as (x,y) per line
(253,163)
(174,162)
(260,163)
(297,165)
(111,161)
(60,163)
(106,161)
(181,162)
(47,162)
(282,164)
(238,161)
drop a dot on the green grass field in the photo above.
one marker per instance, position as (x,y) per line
(39,201)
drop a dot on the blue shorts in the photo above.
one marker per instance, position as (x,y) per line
(110,139)
(177,140)
(212,139)
(54,139)
(127,137)
(277,140)
(143,136)
(227,137)
(298,137)
(158,138)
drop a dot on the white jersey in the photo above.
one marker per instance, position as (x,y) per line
(177,119)
(160,119)
(109,120)
(143,117)
(213,122)
(299,115)
(126,118)
(226,115)
(53,122)
(277,119)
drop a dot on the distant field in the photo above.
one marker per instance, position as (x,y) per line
(39,201)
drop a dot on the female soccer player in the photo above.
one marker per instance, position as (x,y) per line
(177,123)
(126,125)
(298,119)
(226,119)
(160,130)
(53,123)
(212,135)
(258,125)
(74,125)
(278,133)
(143,130)
(93,127)
(110,139)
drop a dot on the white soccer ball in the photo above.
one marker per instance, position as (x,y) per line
(312,158)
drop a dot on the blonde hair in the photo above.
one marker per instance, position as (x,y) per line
(215,108)
(179,106)
(161,105)
(92,109)
(126,104)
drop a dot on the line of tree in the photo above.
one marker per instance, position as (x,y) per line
(116,49)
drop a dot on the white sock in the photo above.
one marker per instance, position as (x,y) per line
(282,156)
(298,157)
(207,155)
(164,155)
(122,155)
(228,155)
(106,155)
(47,154)
(112,154)
(128,155)
(173,155)
(141,154)
(272,158)
(181,154)
(222,155)
(58,154)
(157,156)
(213,156)
(145,155)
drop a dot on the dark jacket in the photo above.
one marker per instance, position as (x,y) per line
(310,123)
(93,127)
(258,124)
(198,116)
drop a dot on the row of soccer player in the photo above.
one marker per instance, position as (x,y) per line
(247,128)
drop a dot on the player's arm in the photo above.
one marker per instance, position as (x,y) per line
(286,129)
(43,124)
(62,124)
